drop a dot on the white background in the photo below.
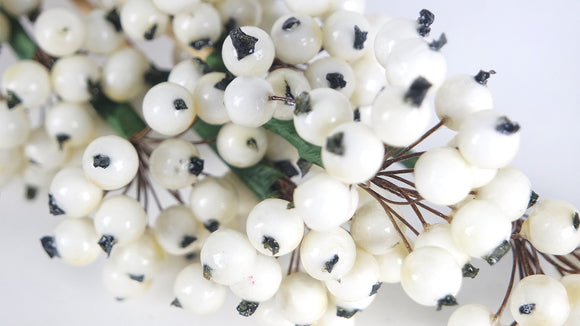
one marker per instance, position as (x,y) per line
(534,47)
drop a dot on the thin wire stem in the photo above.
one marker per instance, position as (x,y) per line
(509,289)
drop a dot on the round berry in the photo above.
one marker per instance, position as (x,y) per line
(247,101)
(301,299)
(248,50)
(72,77)
(14,126)
(76,241)
(345,35)
(177,230)
(328,255)
(142,20)
(72,194)
(241,146)
(330,72)
(175,163)
(198,28)
(297,38)
(59,31)
(26,82)
(196,294)
(208,97)
(168,108)
(214,202)
(361,281)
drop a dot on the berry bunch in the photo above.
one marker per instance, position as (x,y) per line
(317,110)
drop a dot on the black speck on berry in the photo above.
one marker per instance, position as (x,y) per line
(242,42)
(179,104)
(335,80)
(101,161)
(291,24)
(360,38)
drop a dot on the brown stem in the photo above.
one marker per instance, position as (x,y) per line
(509,289)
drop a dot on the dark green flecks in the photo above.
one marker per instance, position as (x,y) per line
(304,166)
(436,45)
(176,303)
(53,206)
(329,264)
(107,242)
(506,127)
(290,206)
(291,24)
(187,240)
(211,225)
(195,165)
(469,270)
(150,33)
(247,308)
(498,253)
(447,300)
(482,76)
(49,246)
(533,199)
(576,221)
(31,192)
(271,244)
(242,42)
(335,80)
(375,288)
(222,84)
(345,313)
(426,18)
(137,278)
(12,100)
(527,308)
(61,139)
(199,44)
(287,168)
(179,104)
(207,272)
(101,161)
(360,38)
(356,115)
(334,143)
(303,105)
(417,91)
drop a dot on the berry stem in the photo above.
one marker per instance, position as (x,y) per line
(509,289)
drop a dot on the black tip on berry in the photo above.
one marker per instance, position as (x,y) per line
(199,44)
(506,127)
(247,308)
(417,91)
(49,246)
(150,33)
(291,24)
(287,168)
(211,225)
(187,240)
(195,165)
(360,38)
(576,221)
(107,242)
(31,192)
(53,206)
(242,42)
(207,272)
(533,199)
(271,244)
(205,68)
(252,143)
(436,45)
(12,100)
(176,303)
(346,313)
(137,278)
(179,104)
(426,18)
(230,24)
(497,254)
(113,18)
(61,139)
(101,161)
(335,80)
(483,76)
(375,288)
(356,115)
(290,206)
(334,144)
(303,105)
(329,264)
(527,308)
(447,300)
(32,16)
(288,93)
(304,166)
(222,84)
(469,270)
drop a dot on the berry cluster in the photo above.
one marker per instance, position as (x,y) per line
(317,111)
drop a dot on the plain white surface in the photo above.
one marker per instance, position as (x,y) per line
(533,45)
